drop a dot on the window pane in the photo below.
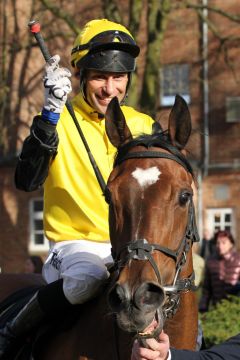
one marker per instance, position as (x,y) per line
(228,217)
(175,80)
(38,205)
(38,225)
(39,239)
(233,109)
(217,218)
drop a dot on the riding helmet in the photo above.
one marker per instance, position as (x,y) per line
(104,45)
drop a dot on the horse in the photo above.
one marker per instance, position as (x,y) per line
(152,228)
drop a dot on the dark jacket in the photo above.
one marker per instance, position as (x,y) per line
(208,248)
(229,350)
(221,278)
(39,148)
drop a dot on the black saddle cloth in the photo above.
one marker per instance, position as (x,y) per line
(27,346)
(9,308)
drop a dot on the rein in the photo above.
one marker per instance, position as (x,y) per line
(142,250)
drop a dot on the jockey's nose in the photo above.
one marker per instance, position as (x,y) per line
(109,86)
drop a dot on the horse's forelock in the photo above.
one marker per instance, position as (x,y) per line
(161,140)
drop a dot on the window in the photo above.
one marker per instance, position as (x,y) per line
(220,219)
(38,242)
(174,79)
(221,192)
(233,109)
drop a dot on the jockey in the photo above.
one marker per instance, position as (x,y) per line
(53,155)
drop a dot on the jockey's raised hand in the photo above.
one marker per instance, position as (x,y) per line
(57,87)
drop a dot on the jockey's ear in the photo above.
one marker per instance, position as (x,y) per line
(115,123)
(179,124)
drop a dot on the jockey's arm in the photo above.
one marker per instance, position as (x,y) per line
(39,148)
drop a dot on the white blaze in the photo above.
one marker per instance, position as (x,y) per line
(146,177)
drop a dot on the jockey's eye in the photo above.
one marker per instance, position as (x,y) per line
(184,197)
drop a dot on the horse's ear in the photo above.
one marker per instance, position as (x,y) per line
(179,125)
(116,126)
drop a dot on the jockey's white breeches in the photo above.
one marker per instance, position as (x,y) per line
(81,265)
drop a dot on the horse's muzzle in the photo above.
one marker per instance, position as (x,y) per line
(136,309)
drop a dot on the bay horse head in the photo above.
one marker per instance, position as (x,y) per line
(151,220)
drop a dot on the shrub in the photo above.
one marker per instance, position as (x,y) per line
(221,321)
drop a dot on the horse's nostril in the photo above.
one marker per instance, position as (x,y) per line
(149,295)
(116,297)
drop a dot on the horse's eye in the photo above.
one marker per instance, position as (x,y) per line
(184,197)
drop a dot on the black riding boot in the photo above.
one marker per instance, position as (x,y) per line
(43,304)
(27,318)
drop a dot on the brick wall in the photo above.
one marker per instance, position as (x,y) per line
(14,223)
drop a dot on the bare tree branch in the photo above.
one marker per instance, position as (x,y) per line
(111,11)
(157,23)
(232,17)
(135,16)
(56,10)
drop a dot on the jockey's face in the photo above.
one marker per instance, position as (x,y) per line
(101,87)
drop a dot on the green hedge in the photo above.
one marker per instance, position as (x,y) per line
(221,321)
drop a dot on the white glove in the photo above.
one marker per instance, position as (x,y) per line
(57,85)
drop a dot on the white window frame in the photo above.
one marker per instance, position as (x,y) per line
(232,101)
(168,100)
(33,215)
(212,225)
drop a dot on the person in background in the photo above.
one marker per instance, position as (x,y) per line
(222,272)
(33,264)
(160,350)
(208,245)
(198,265)
(53,155)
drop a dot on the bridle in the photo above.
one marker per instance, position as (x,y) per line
(140,249)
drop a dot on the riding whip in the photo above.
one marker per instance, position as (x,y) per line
(35,29)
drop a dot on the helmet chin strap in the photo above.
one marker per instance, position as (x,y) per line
(124,99)
(127,87)
(82,83)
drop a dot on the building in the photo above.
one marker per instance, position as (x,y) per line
(193,64)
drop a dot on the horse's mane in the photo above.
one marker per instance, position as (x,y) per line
(159,139)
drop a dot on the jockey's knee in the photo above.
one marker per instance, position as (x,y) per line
(83,280)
